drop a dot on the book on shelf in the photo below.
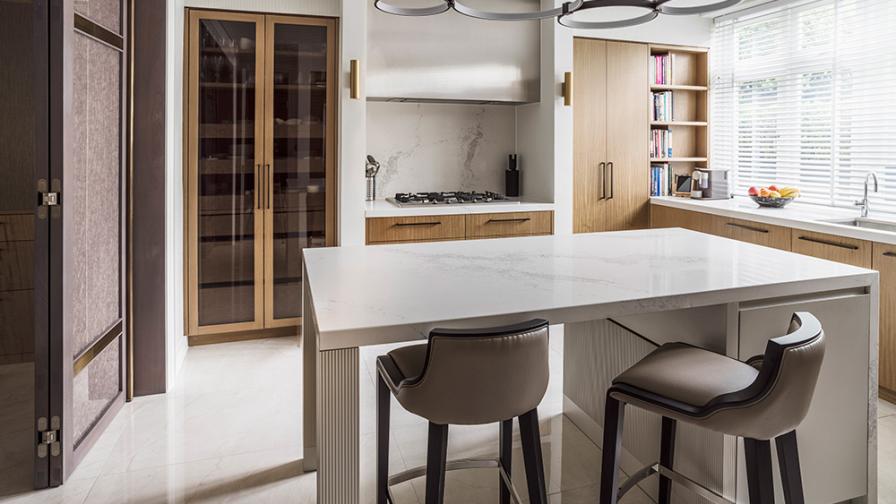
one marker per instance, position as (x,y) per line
(662,106)
(660,179)
(661,69)
(660,143)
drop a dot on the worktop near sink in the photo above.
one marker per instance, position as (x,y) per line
(807,217)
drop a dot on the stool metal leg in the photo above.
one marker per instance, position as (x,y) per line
(436,460)
(383,396)
(531,441)
(667,457)
(758,458)
(614,417)
(505,450)
(789,463)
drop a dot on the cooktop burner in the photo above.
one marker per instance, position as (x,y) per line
(447,198)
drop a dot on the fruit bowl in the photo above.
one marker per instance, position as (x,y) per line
(771,202)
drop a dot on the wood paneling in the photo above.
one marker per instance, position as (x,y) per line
(589,133)
(884,261)
(501,225)
(831,247)
(626,125)
(415,229)
(761,234)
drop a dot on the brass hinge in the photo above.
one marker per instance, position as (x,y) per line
(48,197)
(48,441)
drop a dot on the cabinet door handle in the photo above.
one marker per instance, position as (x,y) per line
(412,224)
(603,178)
(269,184)
(612,180)
(748,228)
(890,254)
(828,242)
(258,186)
(518,219)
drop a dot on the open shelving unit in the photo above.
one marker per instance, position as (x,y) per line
(689,121)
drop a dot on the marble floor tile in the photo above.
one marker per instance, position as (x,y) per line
(885,409)
(886,460)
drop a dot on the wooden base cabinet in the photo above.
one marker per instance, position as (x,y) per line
(260,165)
(884,261)
(431,228)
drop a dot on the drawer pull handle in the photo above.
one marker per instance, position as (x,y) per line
(890,254)
(518,219)
(748,228)
(411,224)
(828,242)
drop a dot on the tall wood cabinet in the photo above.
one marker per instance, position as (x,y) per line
(259,167)
(610,124)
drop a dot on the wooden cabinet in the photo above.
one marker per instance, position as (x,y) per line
(884,261)
(502,225)
(755,232)
(260,164)
(666,217)
(383,230)
(831,247)
(610,121)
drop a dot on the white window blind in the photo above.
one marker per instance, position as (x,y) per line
(804,94)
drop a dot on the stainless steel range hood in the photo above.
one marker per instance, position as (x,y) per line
(453,58)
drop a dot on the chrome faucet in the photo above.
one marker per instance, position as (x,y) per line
(864,201)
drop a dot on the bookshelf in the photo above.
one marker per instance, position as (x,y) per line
(679,111)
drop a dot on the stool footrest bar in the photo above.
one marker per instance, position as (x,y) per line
(679,478)
(454,465)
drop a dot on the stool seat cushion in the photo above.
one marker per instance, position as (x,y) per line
(689,375)
(410,360)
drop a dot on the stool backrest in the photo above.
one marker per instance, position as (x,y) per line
(477,376)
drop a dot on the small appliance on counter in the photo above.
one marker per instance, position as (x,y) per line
(711,184)
(512,177)
(370,171)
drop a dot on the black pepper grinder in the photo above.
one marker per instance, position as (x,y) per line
(512,177)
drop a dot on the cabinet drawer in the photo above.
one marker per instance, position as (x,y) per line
(885,262)
(758,233)
(666,217)
(833,248)
(498,225)
(417,228)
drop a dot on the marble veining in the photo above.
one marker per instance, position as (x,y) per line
(440,147)
(566,277)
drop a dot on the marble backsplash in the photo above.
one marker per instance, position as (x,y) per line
(440,147)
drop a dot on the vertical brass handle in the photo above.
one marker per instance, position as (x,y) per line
(269,183)
(603,178)
(567,88)
(258,186)
(612,180)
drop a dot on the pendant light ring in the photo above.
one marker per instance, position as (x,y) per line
(440,7)
(650,5)
(515,16)
(702,9)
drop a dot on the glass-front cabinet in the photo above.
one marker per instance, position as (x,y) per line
(261,163)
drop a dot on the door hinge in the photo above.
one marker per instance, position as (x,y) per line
(48,441)
(48,197)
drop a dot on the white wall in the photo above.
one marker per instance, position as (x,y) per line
(440,147)
(351,141)
(545,129)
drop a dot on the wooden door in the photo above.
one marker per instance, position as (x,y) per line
(885,263)
(225,211)
(299,156)
(589,134)
(627,127)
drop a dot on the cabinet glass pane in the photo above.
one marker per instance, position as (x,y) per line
(299,156)
(226,164)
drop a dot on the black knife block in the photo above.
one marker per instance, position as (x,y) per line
(512,178)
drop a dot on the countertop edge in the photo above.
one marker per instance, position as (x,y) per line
(381,208)
(766,216)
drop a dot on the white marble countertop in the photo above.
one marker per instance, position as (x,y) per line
(796,215)
(383,208)
(387,293)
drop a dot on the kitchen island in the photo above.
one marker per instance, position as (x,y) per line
(619,294)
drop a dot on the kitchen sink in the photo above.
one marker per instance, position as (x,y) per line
(879,225)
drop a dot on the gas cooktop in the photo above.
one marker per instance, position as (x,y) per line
(447,198)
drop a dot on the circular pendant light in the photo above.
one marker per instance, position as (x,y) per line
(467,10)
(572,18)
(438,7)
(701,8)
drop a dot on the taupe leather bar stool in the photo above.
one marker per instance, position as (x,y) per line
(467,377)
(763,399)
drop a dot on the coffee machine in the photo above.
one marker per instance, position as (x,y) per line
(711,184)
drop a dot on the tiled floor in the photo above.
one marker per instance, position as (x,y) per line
(229,431)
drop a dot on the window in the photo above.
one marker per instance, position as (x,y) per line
(804,94)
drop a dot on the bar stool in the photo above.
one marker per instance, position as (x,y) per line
(467,377)
(763,399)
